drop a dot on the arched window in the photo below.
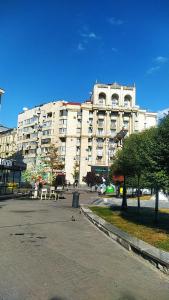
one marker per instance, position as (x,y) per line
(115,100)
(102,98)
(127,101)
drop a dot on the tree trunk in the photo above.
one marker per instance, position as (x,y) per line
(124,201)
(138,189)
(156,205)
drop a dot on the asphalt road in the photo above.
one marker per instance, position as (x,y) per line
(46,255)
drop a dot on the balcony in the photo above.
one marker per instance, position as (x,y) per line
(100,117)
(100,124)
(99,152)
(113,126)
(100,145)
(100,133)
(62,132)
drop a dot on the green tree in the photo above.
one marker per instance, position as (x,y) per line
(163,144)
(36,172)
(52,162)
(75,173)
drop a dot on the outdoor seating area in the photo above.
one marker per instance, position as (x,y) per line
(48,193)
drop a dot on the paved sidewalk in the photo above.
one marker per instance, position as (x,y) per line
(47,256)
(100,201)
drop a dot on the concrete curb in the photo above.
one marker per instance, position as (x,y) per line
(157,257)
(12,196)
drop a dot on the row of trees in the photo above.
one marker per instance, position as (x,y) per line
(144,160)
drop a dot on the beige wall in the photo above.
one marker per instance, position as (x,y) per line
(8,141)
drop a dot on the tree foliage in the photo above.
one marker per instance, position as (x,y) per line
(145,156)
(46,168)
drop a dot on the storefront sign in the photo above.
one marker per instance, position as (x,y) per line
(5,162)
(99,169)
(12,164)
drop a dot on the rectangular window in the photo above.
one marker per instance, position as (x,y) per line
(46,141)
(63,113)
(62,130)
(47,132)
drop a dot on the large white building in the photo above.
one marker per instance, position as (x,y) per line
(87,134)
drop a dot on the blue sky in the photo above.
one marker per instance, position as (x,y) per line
(52,50)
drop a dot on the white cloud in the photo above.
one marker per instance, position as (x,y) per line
(80,47)
(114,49)
(90,35)
(162,113)
(114,21)
(161,59)
(153,69)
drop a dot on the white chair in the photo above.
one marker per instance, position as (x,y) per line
(43,193)
(53,193)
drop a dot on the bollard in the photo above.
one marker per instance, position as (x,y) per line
(75,200)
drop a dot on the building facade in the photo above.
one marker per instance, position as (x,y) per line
(8,142)
(86,134)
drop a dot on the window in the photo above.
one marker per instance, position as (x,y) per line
(45,150)
(102,98)
(113,124)
(78,130)
(49,114)
(62,130)
(115,100)
(113,132)
(46,141)
(62,122)
(47,132)
(90,130)
(127,101)
(126,124)
(100,123)
(100,132)
(32,151)
(34,135)
(47,124)
(63,113)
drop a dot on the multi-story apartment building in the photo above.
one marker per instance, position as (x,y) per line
(87,134)
(8,142)
(38,130)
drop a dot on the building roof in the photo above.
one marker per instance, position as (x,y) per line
(1,91)
(72,103)
(3,128)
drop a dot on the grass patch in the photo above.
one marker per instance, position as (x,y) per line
(140,225)
(144,197)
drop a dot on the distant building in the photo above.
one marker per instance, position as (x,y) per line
(87,134)
(8,142)
(3,128)
(1,93)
